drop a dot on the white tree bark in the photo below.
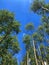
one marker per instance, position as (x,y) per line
(45,63)
(35,53)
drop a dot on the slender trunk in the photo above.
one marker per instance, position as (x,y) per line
(42,62)
(41,57)
(35,53)
(45,63)
(27,58)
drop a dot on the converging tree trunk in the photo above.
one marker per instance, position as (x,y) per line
(27,58)
(35,53)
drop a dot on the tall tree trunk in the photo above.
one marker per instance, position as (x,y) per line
(45,63)
(27,57)
(41,57)
(42,62)
(35,53)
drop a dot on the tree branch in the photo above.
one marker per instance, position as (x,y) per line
(45,8)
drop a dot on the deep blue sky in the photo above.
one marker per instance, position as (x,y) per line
(21,9)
